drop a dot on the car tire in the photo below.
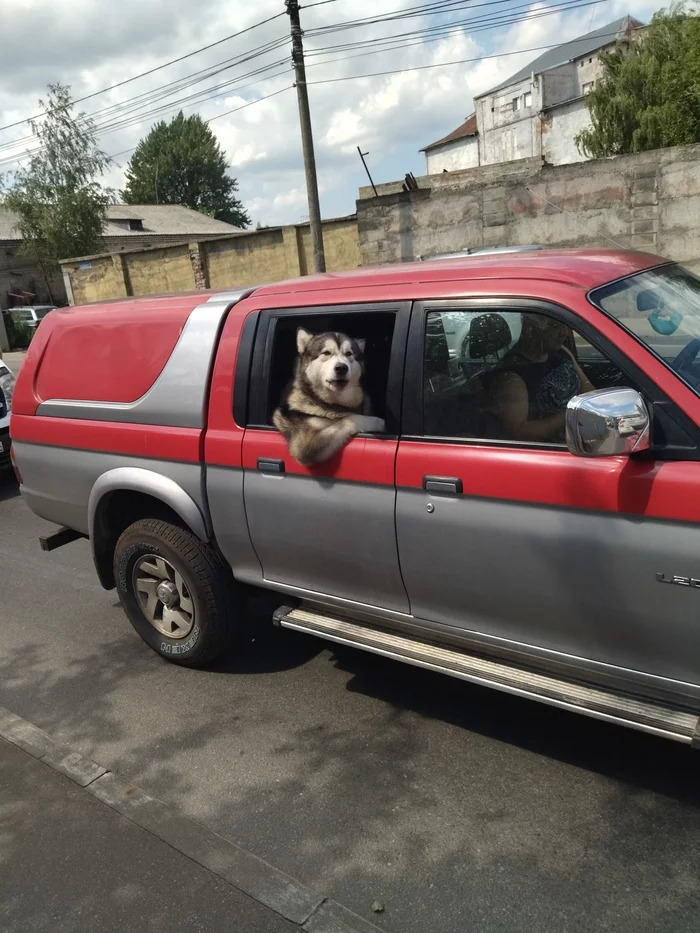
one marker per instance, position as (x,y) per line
(177,592)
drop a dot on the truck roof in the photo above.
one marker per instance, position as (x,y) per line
(581,268)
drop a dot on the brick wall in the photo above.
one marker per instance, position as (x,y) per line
(266,255)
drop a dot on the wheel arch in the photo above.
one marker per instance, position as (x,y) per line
(126,494)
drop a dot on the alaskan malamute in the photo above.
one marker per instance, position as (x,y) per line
(325,404)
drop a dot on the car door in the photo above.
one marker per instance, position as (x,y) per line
(522,545)
(327,530)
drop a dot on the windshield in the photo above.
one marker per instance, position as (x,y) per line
(661,307)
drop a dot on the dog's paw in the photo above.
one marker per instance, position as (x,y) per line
(367,424)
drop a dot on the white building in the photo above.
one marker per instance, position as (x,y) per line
(534,114)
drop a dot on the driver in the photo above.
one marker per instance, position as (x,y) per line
(536,380)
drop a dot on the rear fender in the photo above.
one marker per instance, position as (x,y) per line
(145,482)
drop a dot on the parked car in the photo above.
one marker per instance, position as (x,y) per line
(549,555)
(31,315)
(7,385)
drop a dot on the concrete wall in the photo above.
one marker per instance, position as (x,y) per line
(649,201)
(260,256)
(558,131)
(454,156)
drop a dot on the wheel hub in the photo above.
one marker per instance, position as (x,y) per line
(163,596)
(167,593)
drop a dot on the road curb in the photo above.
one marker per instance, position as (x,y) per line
(289,898)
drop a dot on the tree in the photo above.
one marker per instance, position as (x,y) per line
(649,93)
(181,162)
(61,207)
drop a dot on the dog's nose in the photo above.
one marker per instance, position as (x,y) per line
(341,369)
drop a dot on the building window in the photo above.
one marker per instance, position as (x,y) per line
(580,64)
(516,103)
(588,87)
(527,99)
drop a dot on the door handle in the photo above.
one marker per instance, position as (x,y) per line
(266,465)
(446,484)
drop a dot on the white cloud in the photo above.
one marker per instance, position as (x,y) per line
(91,44)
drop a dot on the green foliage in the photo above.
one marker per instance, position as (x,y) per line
(181,162)
(60,205)
(19,334)
(649,93)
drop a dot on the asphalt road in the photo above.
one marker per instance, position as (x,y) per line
(459,808)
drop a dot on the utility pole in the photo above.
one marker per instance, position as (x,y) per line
(307,141)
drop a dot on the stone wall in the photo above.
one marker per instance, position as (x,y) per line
(259,256)
(649,201)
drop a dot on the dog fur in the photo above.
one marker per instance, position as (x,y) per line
(325,404)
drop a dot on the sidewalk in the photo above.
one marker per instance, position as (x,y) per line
(71,864)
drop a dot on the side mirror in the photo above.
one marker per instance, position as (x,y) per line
(607,423)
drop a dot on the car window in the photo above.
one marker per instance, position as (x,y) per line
(42,312)
(23,314)
(661,307)
(506,376)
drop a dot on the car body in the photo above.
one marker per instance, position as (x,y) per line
(7,385)
(31,315)
(561,569)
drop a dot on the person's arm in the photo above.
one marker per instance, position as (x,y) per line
(511,396)
(586,384)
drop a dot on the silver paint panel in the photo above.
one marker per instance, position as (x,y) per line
(229,522)
(579,583)
(178,397)
(58,481)
(139,479)
(326,535)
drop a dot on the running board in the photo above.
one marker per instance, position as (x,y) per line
(665,721)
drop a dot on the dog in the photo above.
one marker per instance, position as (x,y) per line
(325,404)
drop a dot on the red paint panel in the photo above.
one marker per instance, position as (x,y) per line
(655,489)
(138,440)
(224,439)
(114,357)
(363,460)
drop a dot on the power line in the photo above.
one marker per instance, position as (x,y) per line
(151,71)
(227,113)
(462,61)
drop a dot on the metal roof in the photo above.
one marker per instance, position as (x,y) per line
(157,220)
(468,128)
(576,48)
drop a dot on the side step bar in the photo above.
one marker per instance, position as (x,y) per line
(657,719)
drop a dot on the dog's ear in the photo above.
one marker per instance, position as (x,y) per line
(361,344)
(303,339)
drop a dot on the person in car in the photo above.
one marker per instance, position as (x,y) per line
(535,381)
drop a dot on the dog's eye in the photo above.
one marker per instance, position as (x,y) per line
(348,353)
(325,353)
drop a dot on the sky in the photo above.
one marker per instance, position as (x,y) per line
(92,45)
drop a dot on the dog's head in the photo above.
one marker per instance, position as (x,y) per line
(332,364)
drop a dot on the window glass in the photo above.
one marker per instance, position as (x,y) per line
(527,99)
(506,375)
(661,307)
(376,328)
(516,103)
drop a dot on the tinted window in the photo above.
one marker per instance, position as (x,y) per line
(506,375)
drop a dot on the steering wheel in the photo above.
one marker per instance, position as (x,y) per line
(686,357)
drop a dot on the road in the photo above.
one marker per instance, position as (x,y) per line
(459,808)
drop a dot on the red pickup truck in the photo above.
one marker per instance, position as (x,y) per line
(528,519)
